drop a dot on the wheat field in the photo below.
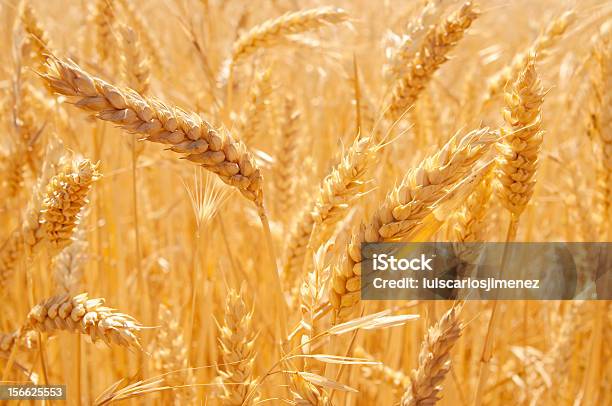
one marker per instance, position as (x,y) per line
(186,186)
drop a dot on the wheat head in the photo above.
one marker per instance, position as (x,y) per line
(434,360)
(521,139)
(186,133)
(80,314)
(404,209)
(432,53)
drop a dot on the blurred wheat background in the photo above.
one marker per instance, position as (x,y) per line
(231,276)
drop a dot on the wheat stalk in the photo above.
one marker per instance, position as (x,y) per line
(37,43)
(338,191)
(106,43)
(521,139)
(600,123)
(404,210)
(270,32)
(516,171)
(187,133)
(237,345)
(136,66)
(553,32)
(306,394)
(432,53)
(169,353)
(287,157)
(434,360)
(381,372)
(64,199)
(80,314)
(68,265)
(143,31)
(251,123)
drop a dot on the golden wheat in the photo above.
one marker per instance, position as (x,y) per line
(340,125)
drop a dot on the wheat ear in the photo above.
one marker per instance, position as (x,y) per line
(136,66)
(7,342)
(106,43)
(306,394)
(169,354)
(470,220)
(521,139)
(275,32)
(434,360)
(338,191)
(68,265)
(252,120)
(381,372)
(546,40)
(27,120)
(559,356)
(37,42)
(10,253)
(405,47)
(28,236)
(432,53)
(24,340)
(470,226)
(237,345)
(287,158)
(600,124)
(270,32)
(516,171)
(143,30)
(66,196)
(404,210)
(12,169)
(311,295)
(186,133)
(86,316)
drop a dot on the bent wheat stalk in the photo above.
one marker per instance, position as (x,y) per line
(432,53)
(186,133)
(338,191)
(404,210)
(274,31)
(86,316)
